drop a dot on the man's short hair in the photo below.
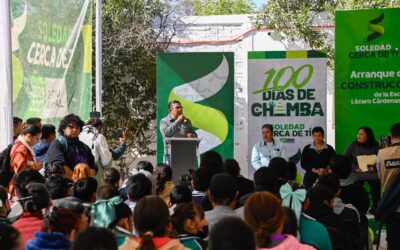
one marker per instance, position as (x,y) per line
(231,166)
(85,188)
(180,194)
(281,167)
(70,119)
(57,186)
(106,192)
(33,120)
(268,126)
(395,130)
(213,161)
(318,130)
(201,179)
(172,102)
(265,177)
(48,130)
(145,165)
(138,186)
(330,181)
(340,165)
(16,121)
(26,177)
(95,122)
(223,189)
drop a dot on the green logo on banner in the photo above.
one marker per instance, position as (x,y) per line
(374,27)
(203,83)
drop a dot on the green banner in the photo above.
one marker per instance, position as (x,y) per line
(203,83)
(367,72)
(52,58)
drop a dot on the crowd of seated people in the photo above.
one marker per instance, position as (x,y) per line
(68,206)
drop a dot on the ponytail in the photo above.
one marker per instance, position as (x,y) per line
(163,174)
(146,242)
(264,213)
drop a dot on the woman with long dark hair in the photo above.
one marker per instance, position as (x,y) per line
(365,144)
(153,226)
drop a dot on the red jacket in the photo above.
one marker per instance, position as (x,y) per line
(28,224)
(19,158)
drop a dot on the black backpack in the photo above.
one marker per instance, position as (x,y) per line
(5,170)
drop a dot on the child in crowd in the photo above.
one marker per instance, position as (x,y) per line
(58,187)
(164,184)
(137,187)
(33,201)
(180,194)
(82,170)
(4,206)
(60,227)
(109,211)
(10,238)
(231,233)
(264,213)
(153,225)
(86,190)
(95,238)
(111,176)
(200,181)
(187,221)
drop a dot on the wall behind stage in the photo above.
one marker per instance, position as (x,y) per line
(203,83)
(235,33)
(367,72)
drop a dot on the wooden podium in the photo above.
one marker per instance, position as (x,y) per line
(181,154)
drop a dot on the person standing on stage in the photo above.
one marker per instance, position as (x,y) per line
(267,148)
(176,124)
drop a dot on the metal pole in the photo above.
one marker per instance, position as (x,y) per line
(6,112)
(99,80)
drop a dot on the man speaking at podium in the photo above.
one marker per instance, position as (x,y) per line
(176,124)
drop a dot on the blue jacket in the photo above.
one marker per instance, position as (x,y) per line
(49,241)
(40,149)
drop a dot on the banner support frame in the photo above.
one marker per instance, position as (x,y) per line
(99,45)
(7,103)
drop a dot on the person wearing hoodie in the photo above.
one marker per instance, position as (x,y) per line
(153,226)
(60,227)
(264,213)
(188,223)
(22,155)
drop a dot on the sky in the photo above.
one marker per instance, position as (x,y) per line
(259,3)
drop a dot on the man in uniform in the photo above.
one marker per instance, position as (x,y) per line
(388,165)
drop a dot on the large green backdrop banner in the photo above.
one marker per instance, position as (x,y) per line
(288,90)
(52,58)
(367,72)
(203,83)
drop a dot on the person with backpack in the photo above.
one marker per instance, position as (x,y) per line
(67,150)
(22,155)
(388,165)
(91,135)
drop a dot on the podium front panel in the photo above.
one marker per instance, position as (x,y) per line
(183,157)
